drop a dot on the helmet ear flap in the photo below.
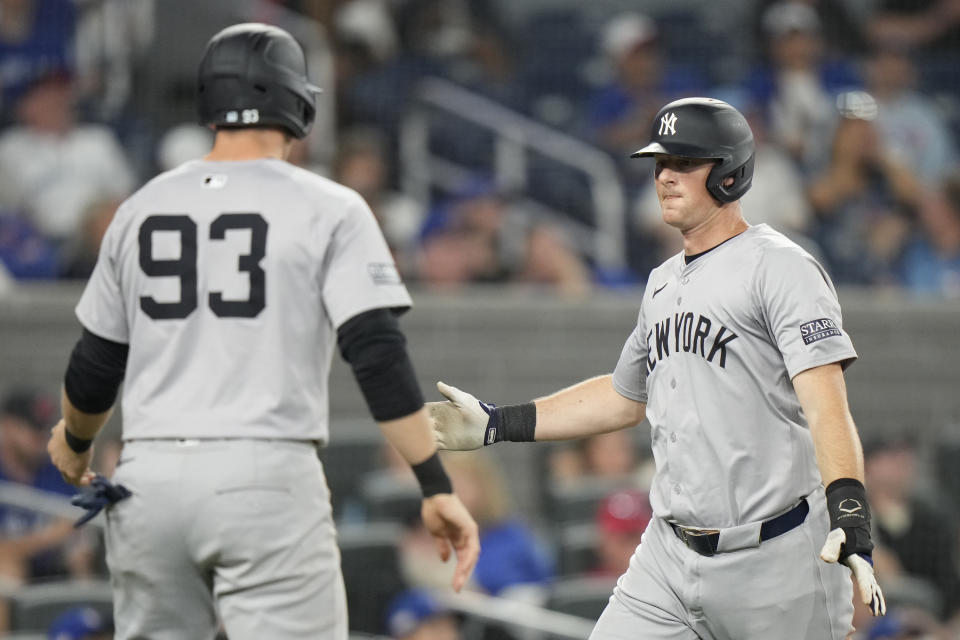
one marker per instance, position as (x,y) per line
(742,179)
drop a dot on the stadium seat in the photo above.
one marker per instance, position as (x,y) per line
(344,464)
(34,607)
(385,499)
(576,544)
(371,572)
(583,596)
(569,502)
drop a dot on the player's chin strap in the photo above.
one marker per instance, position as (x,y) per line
(849,539)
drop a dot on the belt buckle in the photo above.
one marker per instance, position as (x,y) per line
(694,539)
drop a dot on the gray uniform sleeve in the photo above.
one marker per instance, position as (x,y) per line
(802,312)
(101,309)
(630,376)
(361,274)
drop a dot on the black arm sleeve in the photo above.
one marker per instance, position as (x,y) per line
(372,343)
(95,372)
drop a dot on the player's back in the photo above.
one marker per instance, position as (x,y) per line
(228,280)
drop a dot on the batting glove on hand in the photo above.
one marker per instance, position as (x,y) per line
(862,568)
(101,493)
(461,423)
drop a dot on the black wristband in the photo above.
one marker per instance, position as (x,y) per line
(432,477)
(517,422)
(847,503)
(78,445)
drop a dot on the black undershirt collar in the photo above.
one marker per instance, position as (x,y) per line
(688,259)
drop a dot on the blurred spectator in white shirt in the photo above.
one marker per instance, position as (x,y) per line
(52,167)
(909,123)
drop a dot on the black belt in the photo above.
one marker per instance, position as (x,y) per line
(706,543)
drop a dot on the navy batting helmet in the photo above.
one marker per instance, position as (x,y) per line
(709,129)
(255,75)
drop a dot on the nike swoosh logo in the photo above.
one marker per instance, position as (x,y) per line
(659,290)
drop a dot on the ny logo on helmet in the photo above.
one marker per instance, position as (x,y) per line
(668,124)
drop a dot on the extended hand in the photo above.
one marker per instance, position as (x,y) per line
(461,423)
(73,466)
(862,569)
(450,524)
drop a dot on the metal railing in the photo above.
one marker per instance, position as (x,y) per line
(516,136)
(58,506)
(526,620)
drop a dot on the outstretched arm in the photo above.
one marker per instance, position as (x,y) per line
(585,409)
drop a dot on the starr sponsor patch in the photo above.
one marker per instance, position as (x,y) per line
(818,330)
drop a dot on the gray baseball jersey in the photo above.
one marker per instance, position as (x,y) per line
(716,345)
(228,281)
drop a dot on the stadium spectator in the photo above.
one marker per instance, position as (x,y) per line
(621,519)
(34,546)
(79,253)
(80,623)
(931,264)
(797,85)
(615,457)
(52,167)
(181,143)
(25,252)
(864,199)
(480,236)
(431,34)
(361,164)
(416,615)
(111,39)
(843,29)
(911,127)
(35,36)
(920,533)
(932,25)
(619,114)
(513,562)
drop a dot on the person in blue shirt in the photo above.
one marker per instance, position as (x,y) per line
(32,545)
(931,261)
(513,561)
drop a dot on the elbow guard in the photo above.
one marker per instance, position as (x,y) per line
(94,374)
(372,343)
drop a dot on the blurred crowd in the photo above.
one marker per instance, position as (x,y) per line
(565,555)
(855,105)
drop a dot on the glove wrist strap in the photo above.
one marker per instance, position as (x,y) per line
(517,423)
(76,444)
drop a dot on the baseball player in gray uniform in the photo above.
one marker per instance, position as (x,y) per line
(737,361)
(220,291)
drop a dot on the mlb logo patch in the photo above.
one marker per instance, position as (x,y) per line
(818,330)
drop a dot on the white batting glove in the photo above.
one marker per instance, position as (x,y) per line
(870,592)
(461,423)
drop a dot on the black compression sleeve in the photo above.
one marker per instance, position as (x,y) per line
(377,352)
(95,371)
